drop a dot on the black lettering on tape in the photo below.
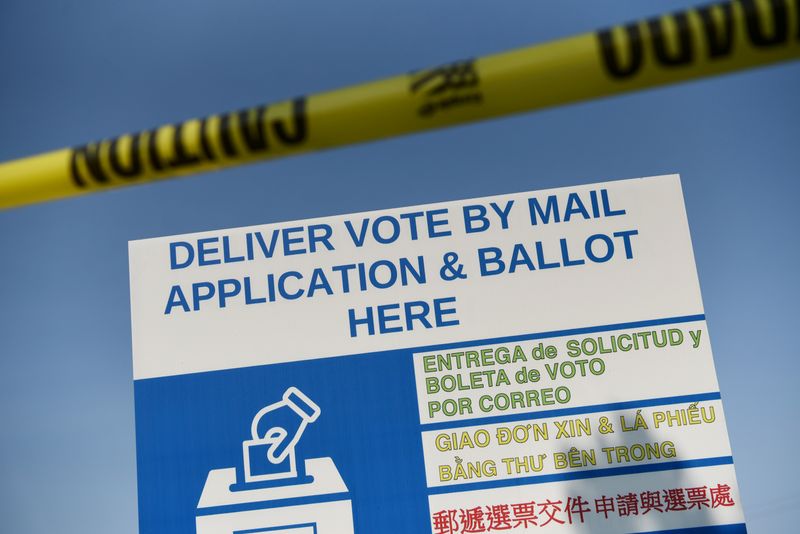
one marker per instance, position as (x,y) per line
(719,40)
(611,58)
(134,166)
(181,158)
(226,135)
(252,125)
(719,36)
(299,130)
(205,143)
(755,26)
(90,155)
(152,150)
(254,131)
(684,53)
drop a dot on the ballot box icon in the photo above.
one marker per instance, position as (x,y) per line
(272,490)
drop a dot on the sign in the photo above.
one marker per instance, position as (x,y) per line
(514,363)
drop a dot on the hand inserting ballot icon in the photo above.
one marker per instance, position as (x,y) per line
(275,431)
(260,493)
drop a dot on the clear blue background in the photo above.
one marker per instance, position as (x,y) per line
(77,71)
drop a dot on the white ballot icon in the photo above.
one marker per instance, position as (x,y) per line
(275,496)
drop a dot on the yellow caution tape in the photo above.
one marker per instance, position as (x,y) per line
(698,42)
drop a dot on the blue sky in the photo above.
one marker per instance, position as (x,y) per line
(78,71)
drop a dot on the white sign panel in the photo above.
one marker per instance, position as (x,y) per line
(511,363)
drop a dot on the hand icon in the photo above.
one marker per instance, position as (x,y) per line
(278,427)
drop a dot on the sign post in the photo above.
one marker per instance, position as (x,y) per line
(521,362)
